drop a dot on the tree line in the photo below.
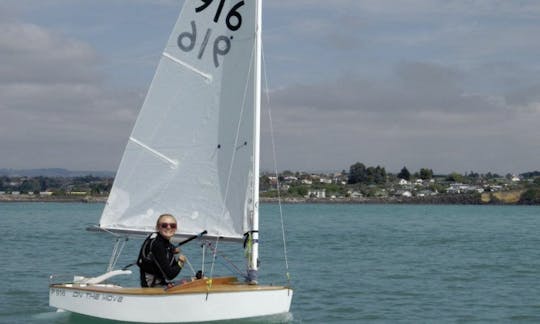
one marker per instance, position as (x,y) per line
(359,173)
(59,185)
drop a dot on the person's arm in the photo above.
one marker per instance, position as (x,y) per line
(167,269)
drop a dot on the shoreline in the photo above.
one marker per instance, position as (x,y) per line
(463,199)
(446,200)
(37,199)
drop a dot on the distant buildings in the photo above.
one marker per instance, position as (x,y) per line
(318,193)
(296,185)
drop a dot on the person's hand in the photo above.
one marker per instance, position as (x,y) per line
(182,258)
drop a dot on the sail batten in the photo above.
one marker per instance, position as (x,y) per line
(188,152)
(184,64)
(156,153)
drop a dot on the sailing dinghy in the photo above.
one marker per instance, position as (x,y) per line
(194,153)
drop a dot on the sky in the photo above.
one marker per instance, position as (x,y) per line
(453,86)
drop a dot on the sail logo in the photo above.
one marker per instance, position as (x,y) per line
(221,44)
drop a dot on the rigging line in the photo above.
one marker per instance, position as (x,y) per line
(113,254)
(214,254)
(209,281)
(275,165)
(232,268)
(203,255)
(117,251)
(229,263)
(190,266)
(122,246)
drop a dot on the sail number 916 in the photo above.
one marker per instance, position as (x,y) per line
(221,44)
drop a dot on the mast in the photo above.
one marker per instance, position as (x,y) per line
(253,262)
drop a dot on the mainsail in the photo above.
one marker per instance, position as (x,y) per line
(193,150)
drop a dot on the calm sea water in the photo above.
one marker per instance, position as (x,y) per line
(348,263)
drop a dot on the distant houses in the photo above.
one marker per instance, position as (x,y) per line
(458,188)
(336,186)
(299,186)
(317,193)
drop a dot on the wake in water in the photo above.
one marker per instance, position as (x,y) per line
(52,317)
(63,317)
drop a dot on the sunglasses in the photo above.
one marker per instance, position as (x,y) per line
(167,225)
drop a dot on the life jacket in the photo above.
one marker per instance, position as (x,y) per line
(146,261)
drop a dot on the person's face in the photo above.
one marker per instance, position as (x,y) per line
(167,227)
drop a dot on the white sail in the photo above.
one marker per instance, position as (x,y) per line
(192,152)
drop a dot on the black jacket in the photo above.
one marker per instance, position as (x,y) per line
(161,261)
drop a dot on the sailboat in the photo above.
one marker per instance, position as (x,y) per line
(193,153)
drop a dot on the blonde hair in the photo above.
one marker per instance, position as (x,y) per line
(164,215)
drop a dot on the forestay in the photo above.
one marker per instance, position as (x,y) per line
(193,148)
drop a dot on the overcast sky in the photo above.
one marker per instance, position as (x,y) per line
(447,85)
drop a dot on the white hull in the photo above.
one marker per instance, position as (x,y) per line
(153,305)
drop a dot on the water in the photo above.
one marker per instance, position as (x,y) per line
(348,263)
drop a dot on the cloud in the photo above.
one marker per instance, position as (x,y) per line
(448,85)
(43,54)
(413,87)
(53,99)
(420,116)
(451,85)
(529,96)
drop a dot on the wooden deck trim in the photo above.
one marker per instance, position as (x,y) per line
(219,285)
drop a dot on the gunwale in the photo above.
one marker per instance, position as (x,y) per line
(218,285)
